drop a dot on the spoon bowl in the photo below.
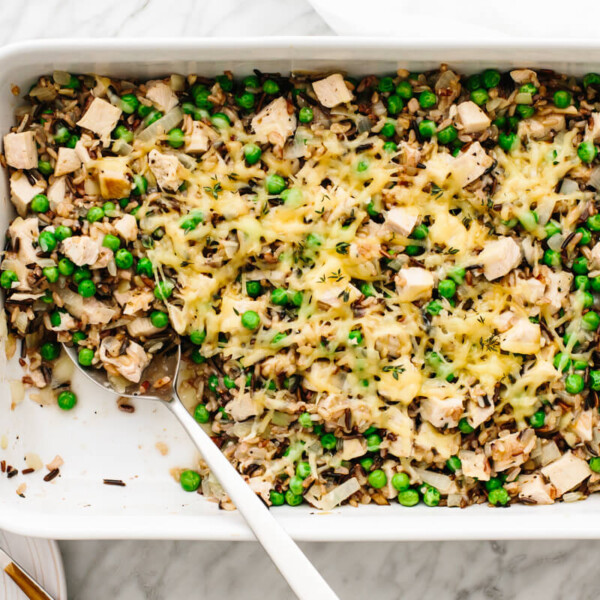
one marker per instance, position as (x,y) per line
(159,382)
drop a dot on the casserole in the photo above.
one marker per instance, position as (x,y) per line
(87,473)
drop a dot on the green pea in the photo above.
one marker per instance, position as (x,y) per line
(500,122)
(447,135)
(328,441)
(62,232)
(594,380)
(292,197)
(277,498)
(427,99)
(374,442)
(201,98)
(586,236)
(465,427)
(562,362)
(72,141)
(388,130)
(197,337)
(362,165)
(122,133)
(552,258)
(447,288)
(355,337)
(254,289)
(279,297)
(303,470)
(493,483)
(213,382)
(390,147)
(85,357)
(163,290)
(87,288)
(562,99)
(176,137)
(367,463)
(508,141)
(490,78)
(587,300)
(154,116)
(431,496)
(251,320)
(95,213)
(377,479)
(220,120)
(246,100)
(400,481)
(552,228)
(296,485)
(385,85)
(201,413)
(591,79)
(197,357)
(61,134)
(129,103)
(51,274)
(77,337)
(479,96)
(50,351)
(123,259)
(67,400)
(537,419)
(140,185)
(225,83)
(529,220)
(144,267)
(293,499)
(275,184)
(594,463)
(251,82)
(454,464)
(580,365)
(590,321)
(435,307)
(498,496)
(587,151)
(252,153)
(404,90)
(7,279)
(305,420)
(528,88)
(190,480)
(367,290)
(574,383)
(47,241)
(408,497)
(306,114)
(525,111)
(394,104)
(45,168)
(580,265)
(112,242)
(427,128)
(159,318)
(593,223)
(81,273)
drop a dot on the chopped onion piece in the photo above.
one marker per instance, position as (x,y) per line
(177,82)
(339,494)
(61,77)
(122,148)
(523,98)
(363,124)
(568,186)
(438,480)
(164,124)
(379,108)
(594,179)
(43,94)
(555,242)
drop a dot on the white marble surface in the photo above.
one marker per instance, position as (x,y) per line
(226,571)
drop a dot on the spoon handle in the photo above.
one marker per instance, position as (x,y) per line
(299,572)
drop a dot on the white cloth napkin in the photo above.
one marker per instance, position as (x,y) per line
(462,19)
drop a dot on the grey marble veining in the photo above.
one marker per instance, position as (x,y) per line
(136,570)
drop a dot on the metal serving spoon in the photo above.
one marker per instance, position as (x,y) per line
(301,575)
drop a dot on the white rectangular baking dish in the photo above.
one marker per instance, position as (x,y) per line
(98,441)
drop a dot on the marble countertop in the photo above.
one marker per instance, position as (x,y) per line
(135,570)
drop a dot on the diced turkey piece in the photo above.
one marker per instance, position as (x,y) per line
(566,472)
(504,321)
(500,257)
(538,128)
(558,286)
(81,149)
(534,490)
(401,220)
(22,192)
(113,176)
(445,444)
(81,249)
(442,412)
(57,191)
(473,119)
(522,76)
(524,337)
(101,118)
(162,96)
(470,165)
(477,414)
(26,231)
(413,283)
(142,327)
(592,131)
(105,255)
(595,258)
(167,169)
(353,448)
(475,465)
(134,301)
(131,364)
(332,91)
(67,162)
(20,150)
(91,310)
(127,227)
(200,138)
(242,407)
(583,426)
(274,123)
(512,450)
(530,290)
